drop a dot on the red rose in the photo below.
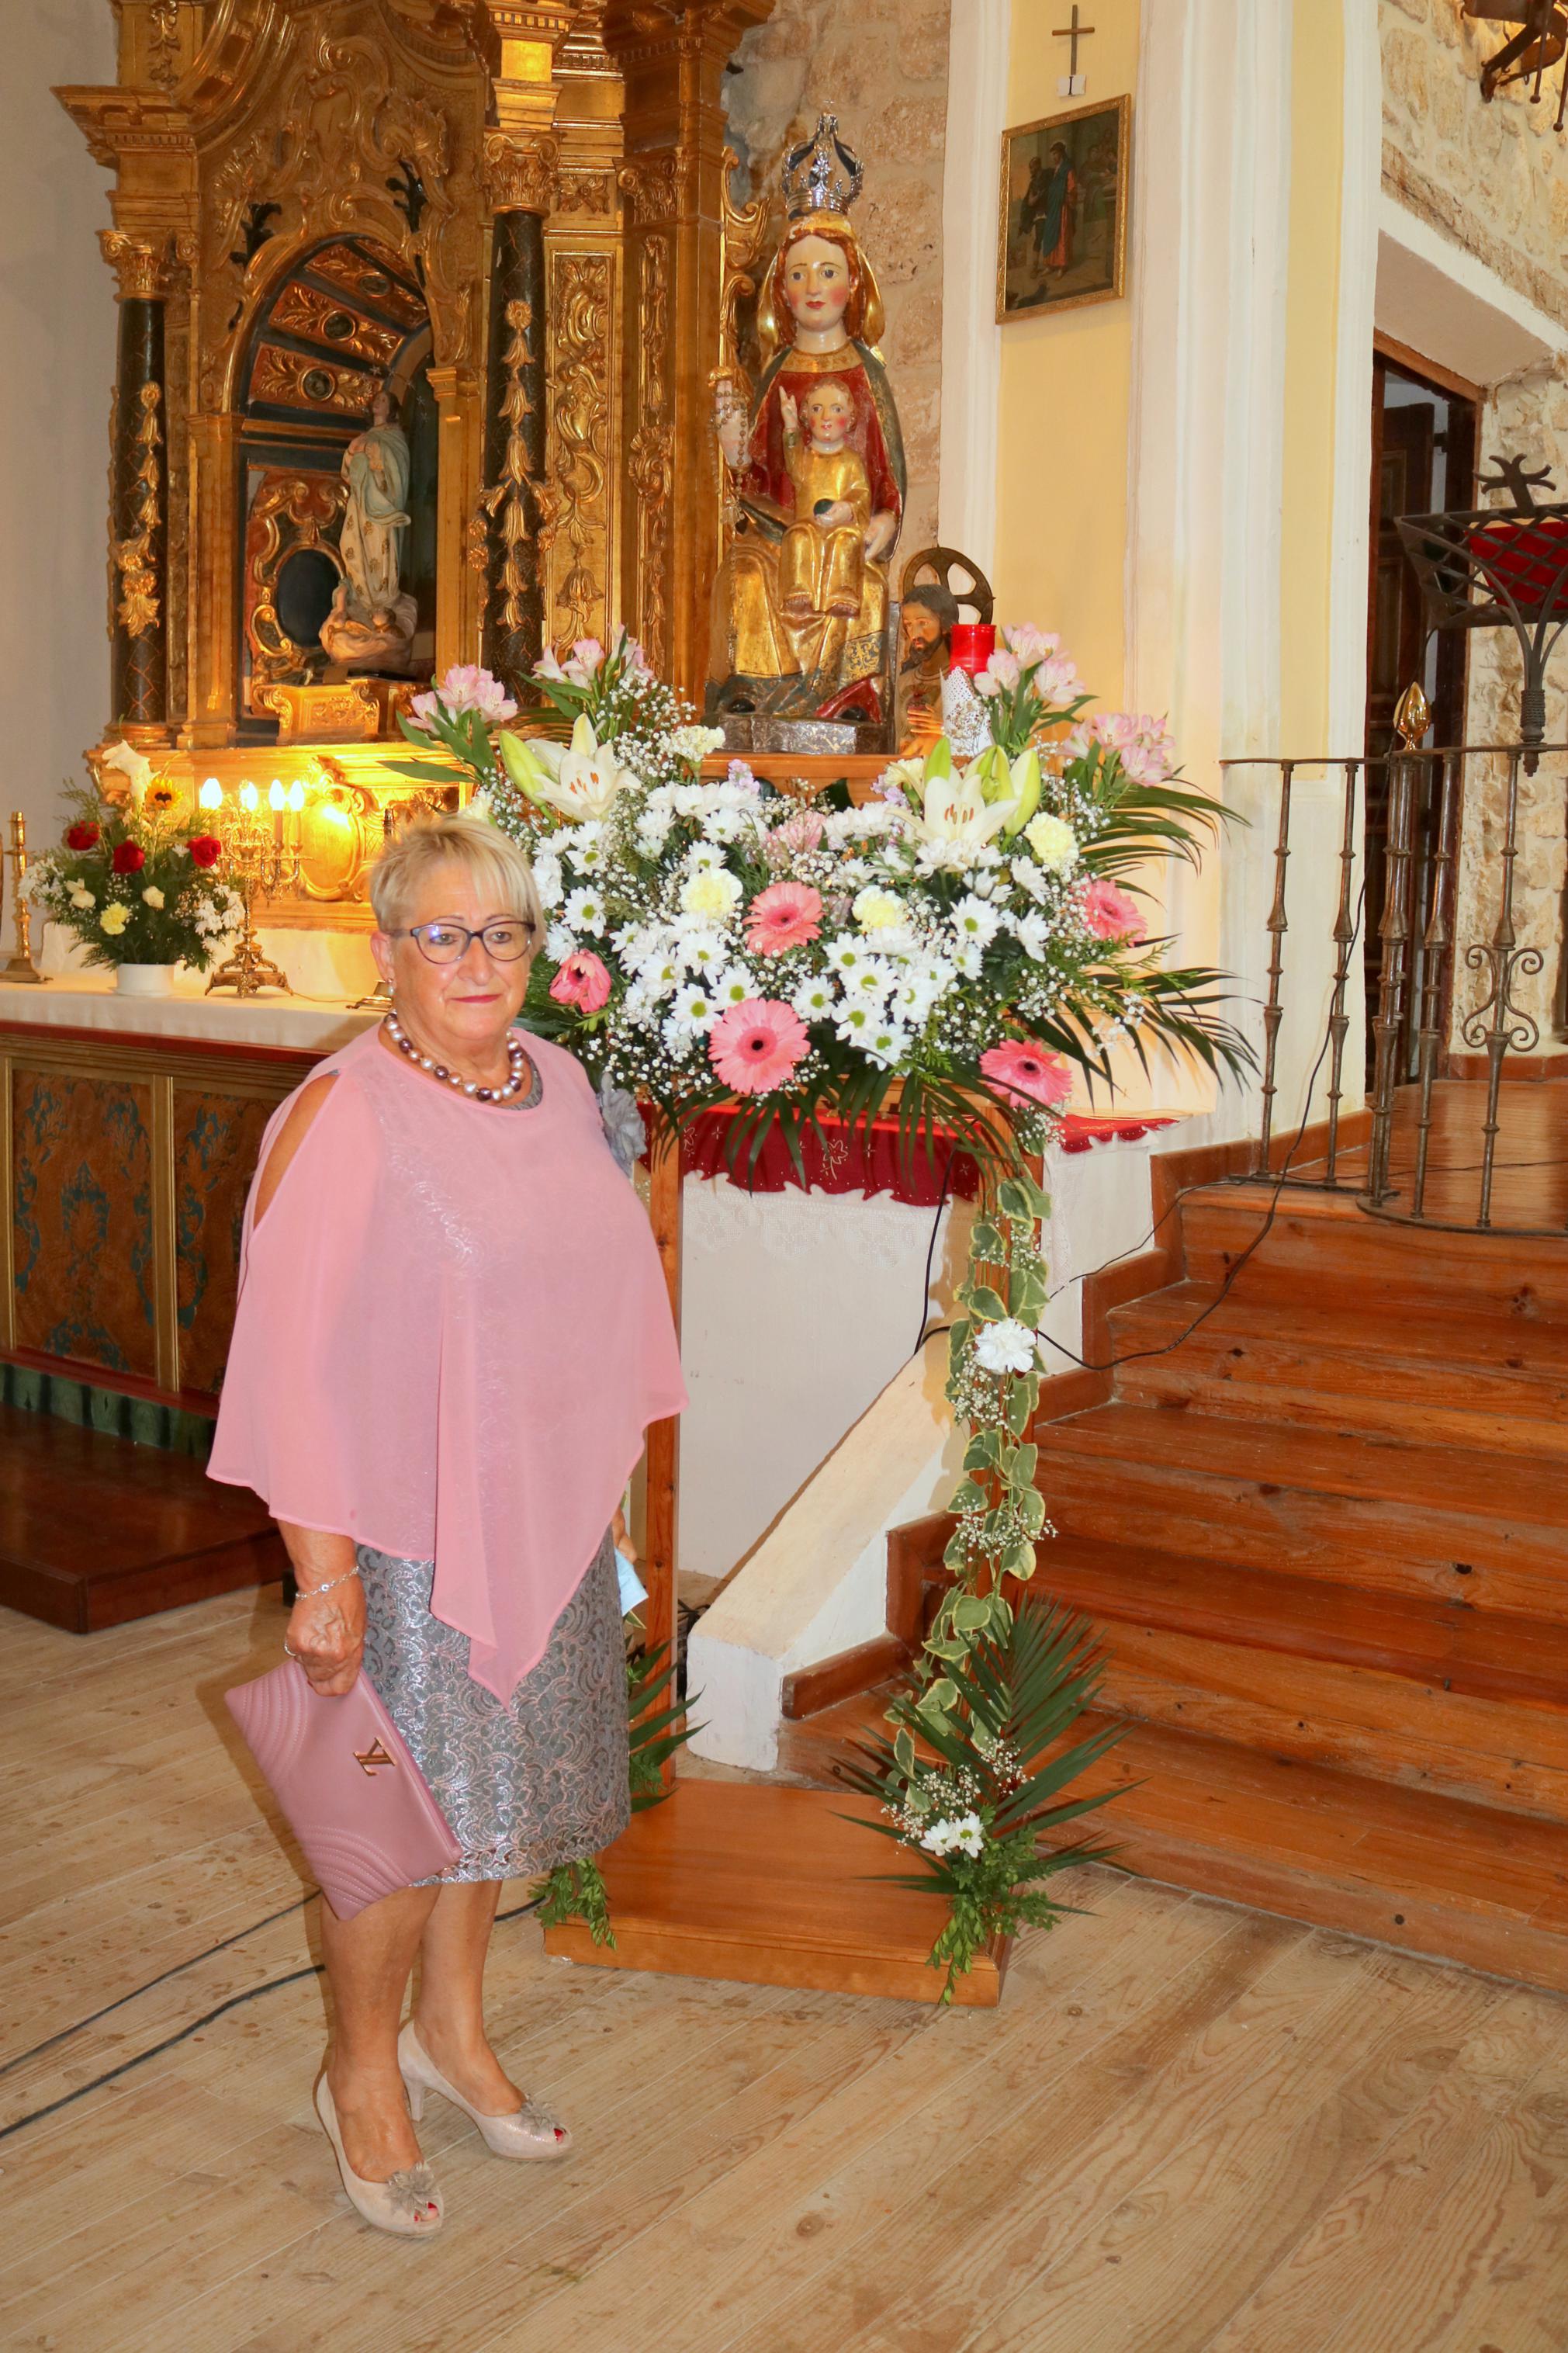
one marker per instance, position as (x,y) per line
(205,849)
(128,858)
(83,835)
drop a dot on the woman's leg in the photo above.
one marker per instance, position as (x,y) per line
(368,1960)
(449,2010)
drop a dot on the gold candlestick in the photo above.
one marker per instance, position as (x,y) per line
(19,965)
(379,999)
(255,861)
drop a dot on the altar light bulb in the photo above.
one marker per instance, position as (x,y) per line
(296,798)
(275,794)
(211,794)
(248,797)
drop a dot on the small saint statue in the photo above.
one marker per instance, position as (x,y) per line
(371,624)
(816,470)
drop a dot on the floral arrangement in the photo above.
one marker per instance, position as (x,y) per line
(962,944)
(134,881)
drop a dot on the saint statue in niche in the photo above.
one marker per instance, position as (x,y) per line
(372,625)
(817,472)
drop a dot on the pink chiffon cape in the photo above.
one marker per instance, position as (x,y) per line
(452,1332)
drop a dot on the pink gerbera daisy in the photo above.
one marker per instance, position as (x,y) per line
(1023,1072)
(757,1044)
(583,981)
(784,915)
(1110,913)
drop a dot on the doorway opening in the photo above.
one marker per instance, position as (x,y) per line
(1423,460)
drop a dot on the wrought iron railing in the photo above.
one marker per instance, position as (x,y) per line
(1418,875)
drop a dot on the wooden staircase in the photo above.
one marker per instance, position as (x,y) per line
(1325,1535)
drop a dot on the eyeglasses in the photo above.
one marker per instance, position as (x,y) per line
(506,939)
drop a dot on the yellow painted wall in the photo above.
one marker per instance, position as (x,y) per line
(1061,521)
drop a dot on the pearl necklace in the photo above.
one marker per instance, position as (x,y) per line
(518,1060)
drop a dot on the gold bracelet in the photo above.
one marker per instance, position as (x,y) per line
(309,1592)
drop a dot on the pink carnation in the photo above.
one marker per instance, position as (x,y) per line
(1110,913)
(801,832)
(1022,1073)
(784,915)
(581,981)
(756,1045)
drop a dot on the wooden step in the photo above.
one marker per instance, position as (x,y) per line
(1340,1507)
(1471,1703)
(770,1885)
(96,1530)
(1320,1242)
(1420,1372)
(1436,1874)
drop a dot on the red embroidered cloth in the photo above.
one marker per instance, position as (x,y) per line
(851,1166)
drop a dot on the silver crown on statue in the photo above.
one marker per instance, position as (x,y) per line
(821,175)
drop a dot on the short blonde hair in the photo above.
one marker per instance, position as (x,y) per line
(419,850)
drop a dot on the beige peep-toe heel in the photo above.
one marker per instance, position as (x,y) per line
(529,2132)
(409,2205)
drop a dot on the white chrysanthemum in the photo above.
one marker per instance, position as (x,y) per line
(695,1007)
(871,981)
(969,959)
(547,877)
(1031,879)
(584,911)
(855,1022)
(700,950)
(886,1041)
(583,846)
(974,918)
(658,976)
(878,910)
(1006,1347)
(845,954)
(559,941)
(1035,933)
(815,1000)
(735,987)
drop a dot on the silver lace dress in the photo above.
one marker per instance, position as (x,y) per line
(541,1778)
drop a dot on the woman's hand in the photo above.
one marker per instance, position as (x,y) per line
(620,1537)
(880,532)
(326,1634)
(326,1629)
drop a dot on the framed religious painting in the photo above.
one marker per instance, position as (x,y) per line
(1061,239)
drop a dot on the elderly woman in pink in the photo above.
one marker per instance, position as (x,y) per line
(452,1333)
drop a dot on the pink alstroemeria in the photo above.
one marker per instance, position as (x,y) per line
(1110,913)
(1024,1073)
(786,915)
(1030,644)
(1000,675)
(1056,680)
(757,1045)
(583,981)
(467,687)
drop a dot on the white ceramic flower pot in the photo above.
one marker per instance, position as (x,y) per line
(144,979)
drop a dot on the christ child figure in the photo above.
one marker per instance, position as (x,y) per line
(822,561)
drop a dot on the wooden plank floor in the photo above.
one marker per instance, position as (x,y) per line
(1187,2127)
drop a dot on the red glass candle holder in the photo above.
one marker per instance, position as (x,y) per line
(974,643)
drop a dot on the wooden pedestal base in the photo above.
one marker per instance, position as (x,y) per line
(770,1886)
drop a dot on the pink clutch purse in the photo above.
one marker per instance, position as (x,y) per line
(353,1797)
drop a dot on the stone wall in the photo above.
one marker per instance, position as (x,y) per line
(881,66)
(1494,178)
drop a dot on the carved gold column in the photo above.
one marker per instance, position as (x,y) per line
(138,502)
(460,586)
(511,521)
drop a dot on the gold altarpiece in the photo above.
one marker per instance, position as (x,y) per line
(516,219)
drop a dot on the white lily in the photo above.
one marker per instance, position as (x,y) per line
(133,766)
(956,817)
(580,779)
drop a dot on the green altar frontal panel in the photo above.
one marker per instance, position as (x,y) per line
(125,1163)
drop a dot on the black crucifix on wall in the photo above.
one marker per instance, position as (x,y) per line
(1075,83)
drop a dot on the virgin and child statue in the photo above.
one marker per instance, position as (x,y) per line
(816,470)
(372,623)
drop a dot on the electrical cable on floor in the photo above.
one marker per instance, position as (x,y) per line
(1136,1355)
(235,2002)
